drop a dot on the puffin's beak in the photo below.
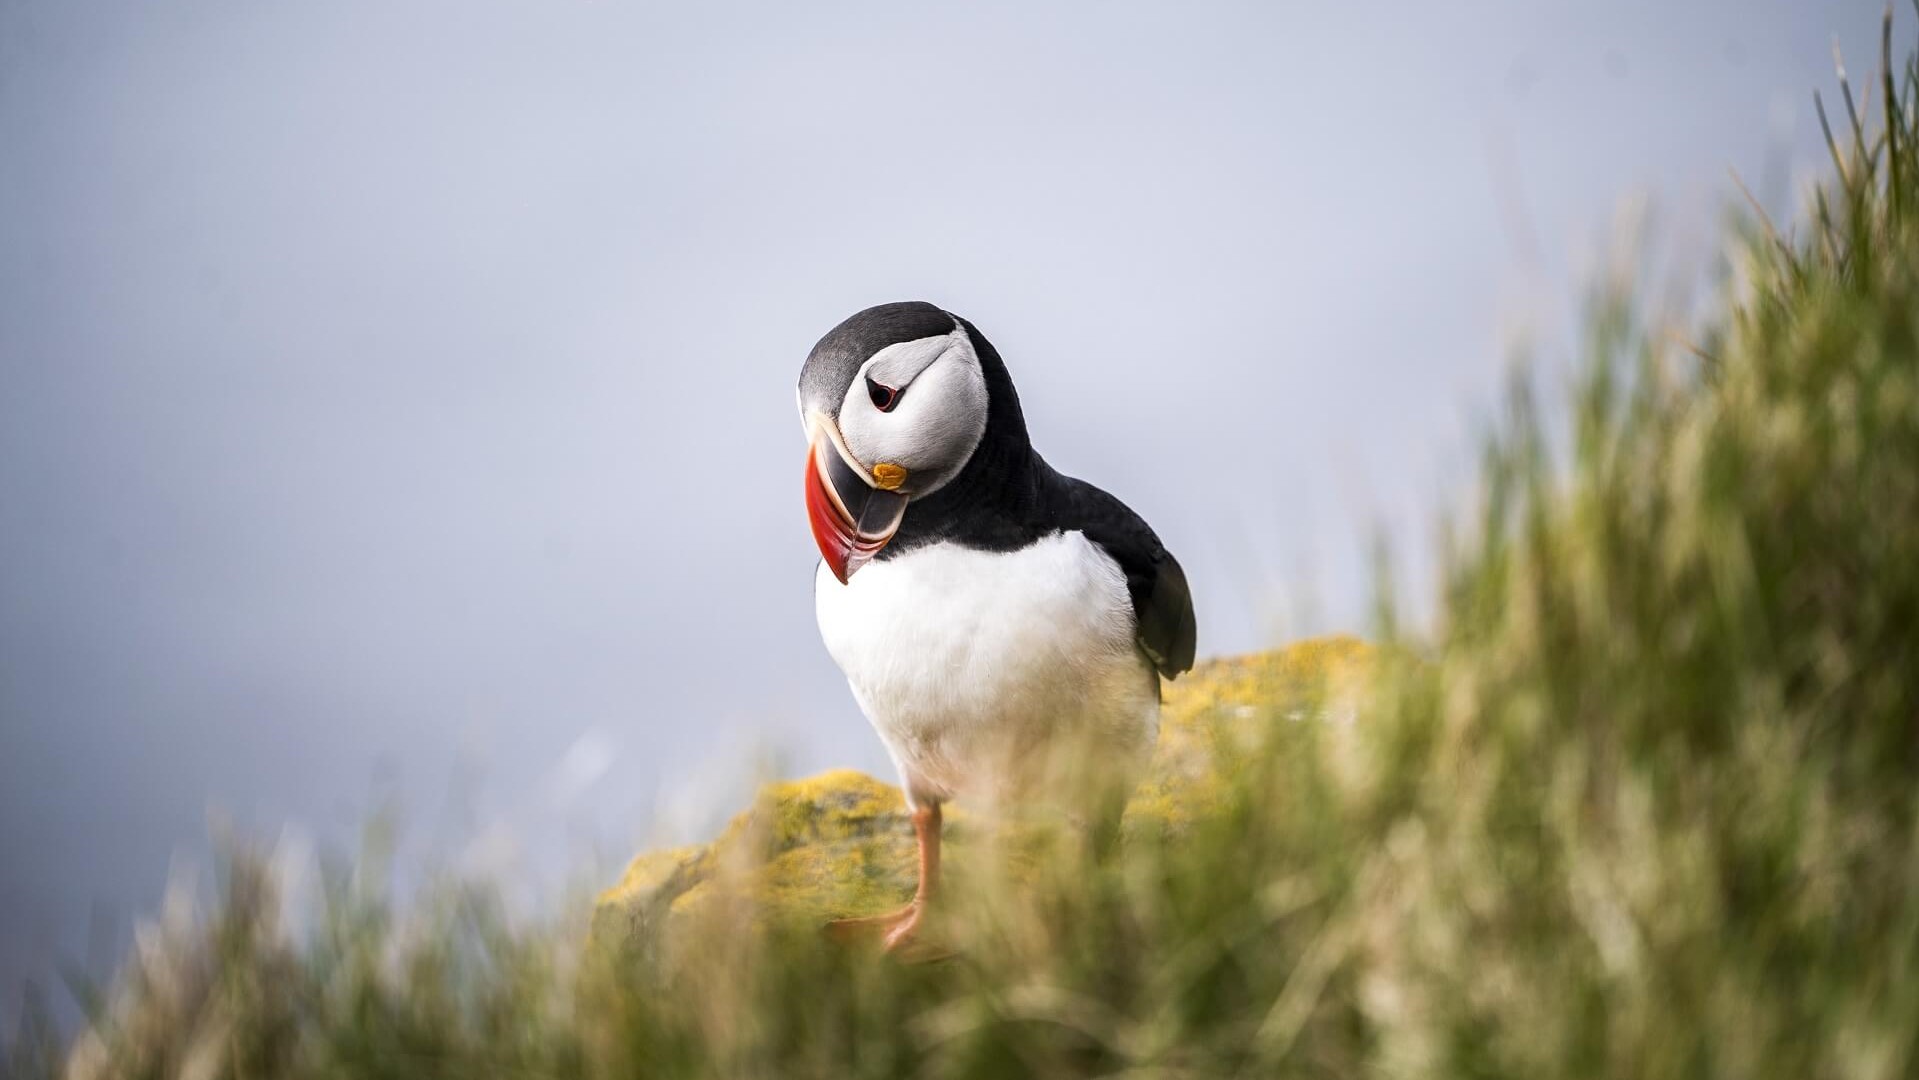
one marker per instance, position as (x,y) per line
(852,517)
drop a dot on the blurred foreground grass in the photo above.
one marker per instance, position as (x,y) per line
(1641,805)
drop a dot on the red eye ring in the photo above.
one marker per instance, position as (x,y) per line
(884,396)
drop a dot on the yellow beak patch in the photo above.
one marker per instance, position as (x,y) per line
(888,476)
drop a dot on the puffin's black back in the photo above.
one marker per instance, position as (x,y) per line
(1007,497)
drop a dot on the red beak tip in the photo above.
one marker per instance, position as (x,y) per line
(833,537)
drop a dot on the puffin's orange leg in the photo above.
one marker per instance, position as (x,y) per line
(897,929)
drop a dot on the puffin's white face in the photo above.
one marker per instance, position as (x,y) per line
(919,406)
(886,427)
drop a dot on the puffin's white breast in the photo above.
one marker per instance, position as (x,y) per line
(970,663)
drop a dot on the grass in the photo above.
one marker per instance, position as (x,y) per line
(1642,804)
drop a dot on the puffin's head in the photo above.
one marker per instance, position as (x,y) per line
(894,402)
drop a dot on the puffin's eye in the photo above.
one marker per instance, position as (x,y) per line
(884,396)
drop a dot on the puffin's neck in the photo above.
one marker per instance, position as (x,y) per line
(996,500)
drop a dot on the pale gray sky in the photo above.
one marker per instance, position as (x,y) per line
(396,399)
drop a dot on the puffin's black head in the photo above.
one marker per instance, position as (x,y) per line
(894,402)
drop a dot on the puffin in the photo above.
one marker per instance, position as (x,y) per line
(1003,627)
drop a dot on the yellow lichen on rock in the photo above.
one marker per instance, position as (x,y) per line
(841,843)
(1231,700)
(814,845)
(636,908)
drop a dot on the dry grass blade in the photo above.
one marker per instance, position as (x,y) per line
(1765,220)
(1845,92)
(1891,92)
(1832,144)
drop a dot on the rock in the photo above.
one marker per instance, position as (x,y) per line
(826,845)
(841,843)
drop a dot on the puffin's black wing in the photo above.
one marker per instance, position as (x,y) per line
(1162,605)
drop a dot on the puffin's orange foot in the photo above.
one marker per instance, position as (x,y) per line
(898,933)
(868,927)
